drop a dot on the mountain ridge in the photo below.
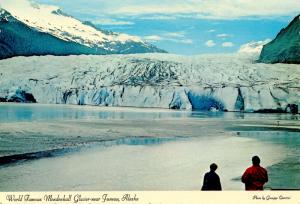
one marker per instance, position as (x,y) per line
(60,33)
(285,47)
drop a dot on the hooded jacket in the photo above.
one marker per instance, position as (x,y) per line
(255,177)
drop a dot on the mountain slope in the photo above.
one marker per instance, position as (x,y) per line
(33,29)
(285,48)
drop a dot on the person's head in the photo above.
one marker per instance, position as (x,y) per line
(255,161)
(213,167)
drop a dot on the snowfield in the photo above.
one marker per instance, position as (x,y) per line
(232,82)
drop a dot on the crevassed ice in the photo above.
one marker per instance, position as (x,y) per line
(231,82)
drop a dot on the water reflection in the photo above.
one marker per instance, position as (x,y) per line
(291,139)
(145,158)
(80,147)
(38,112)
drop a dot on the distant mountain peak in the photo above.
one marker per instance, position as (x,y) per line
(53,21)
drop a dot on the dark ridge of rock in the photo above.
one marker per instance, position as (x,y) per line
(285,48)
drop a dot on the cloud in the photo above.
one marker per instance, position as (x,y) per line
(227,44)
(177,37)
(224,35)
(223,9)
(186,41)
(253,47)
(108,21)
(180,34)
(183,41)
(158,17)
(152,38)
(211,31)
(211,9)
(210,43)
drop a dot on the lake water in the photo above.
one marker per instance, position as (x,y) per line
(60,147)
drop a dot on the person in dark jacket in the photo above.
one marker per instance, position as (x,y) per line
(255,176)
(211,181)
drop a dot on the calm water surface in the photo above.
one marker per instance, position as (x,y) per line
(55,147)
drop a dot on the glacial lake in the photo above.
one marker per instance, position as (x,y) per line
(69,148)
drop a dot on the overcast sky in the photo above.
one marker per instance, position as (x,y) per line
(188,26)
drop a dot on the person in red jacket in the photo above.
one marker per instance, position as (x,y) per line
(255,176)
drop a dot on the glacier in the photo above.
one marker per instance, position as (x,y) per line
(223,82)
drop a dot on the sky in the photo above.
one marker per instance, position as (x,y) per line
(188,27)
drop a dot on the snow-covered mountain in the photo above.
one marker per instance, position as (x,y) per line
(206,82)
(28,28)
(285,48)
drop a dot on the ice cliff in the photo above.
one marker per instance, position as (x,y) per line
(232,82)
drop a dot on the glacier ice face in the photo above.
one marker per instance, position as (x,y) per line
(230,82)
(202,100)
(20,96)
